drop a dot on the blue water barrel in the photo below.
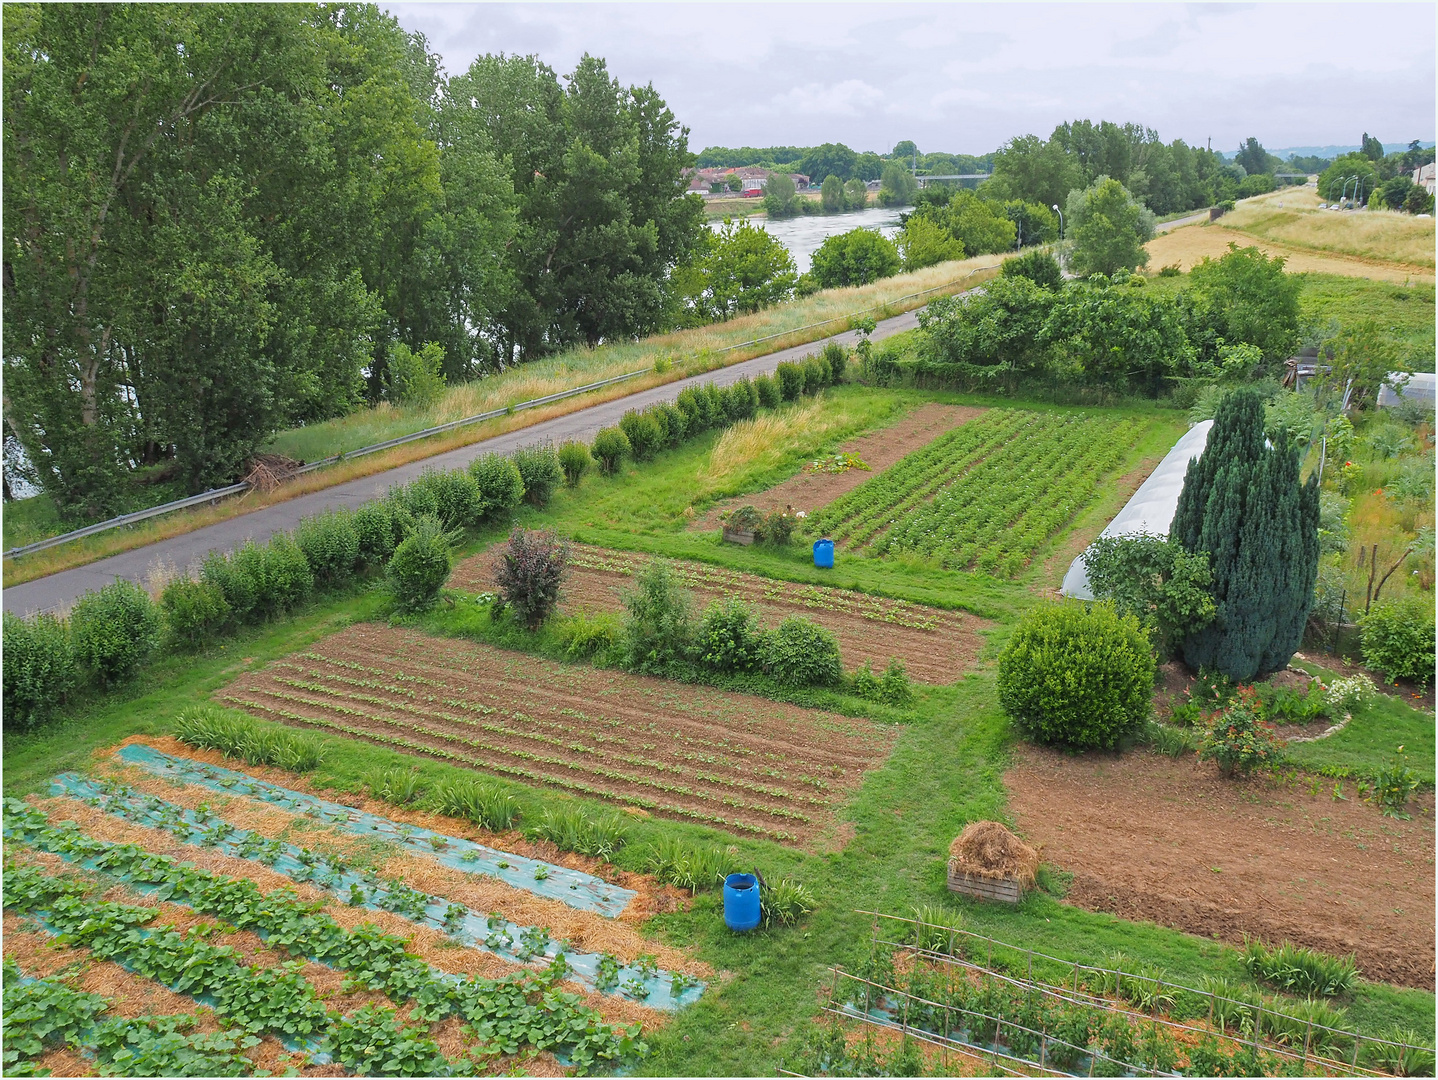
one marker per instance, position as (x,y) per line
(741,901)
(824,554)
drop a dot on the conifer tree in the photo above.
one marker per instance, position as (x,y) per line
(1242,502)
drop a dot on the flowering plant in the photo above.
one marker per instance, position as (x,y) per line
(1237,738)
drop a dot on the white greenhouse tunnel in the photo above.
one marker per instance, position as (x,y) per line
(1152,507)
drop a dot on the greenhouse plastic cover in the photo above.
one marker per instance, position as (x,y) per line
(1152,507)
(1419,386)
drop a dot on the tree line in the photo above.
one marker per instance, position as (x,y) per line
(219,220)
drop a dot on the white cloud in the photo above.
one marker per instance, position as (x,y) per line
(852,97)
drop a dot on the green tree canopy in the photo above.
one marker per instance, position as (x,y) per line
(781,200)
(1108,228)
(857,257)
(1243,504)
(742,269)
(831,159)
(897,186)
(1245,297)
(1348,174)
(924,242)
(831,194)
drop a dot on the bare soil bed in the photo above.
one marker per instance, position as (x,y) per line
(936,646)
(742,763)
(1151,837)
(878,450)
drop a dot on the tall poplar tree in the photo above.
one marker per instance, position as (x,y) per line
(1243,504)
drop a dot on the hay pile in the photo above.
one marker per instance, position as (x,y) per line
(987,849)
(265,472)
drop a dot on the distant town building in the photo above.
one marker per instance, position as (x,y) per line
(1424,177)
(752,180)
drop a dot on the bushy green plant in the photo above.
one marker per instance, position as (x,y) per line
(420,565)
(800,652)
(413,378)
(1398,640)
(253,741)
(39,669)
(571,829)
(499,482)
(235,579)
(1403,1052)
(768,390)
(115,630)
(590,635)
(574,459)
(778,526)
(695,407)
(331,546)
(392,785)
(936,929)
(674,421)
(1297,970)
(729,637)
(374,530)
(452,495)
(372,1041)
(475,800)
(540,470)
(1346,694)
(658,626)
(741,400)
(837,357)
(1077,675)
(529,573)
(1039,267)
(193,611)
(814,375)
(609,447)
(676,863)
(287,576)
(1165,739)
(785,902)
(643,434)
(1238,738)
(791,380)
(1154,580)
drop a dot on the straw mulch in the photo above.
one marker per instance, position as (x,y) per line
(987,849)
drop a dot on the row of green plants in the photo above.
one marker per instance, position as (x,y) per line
(526,1009)
(46,1014)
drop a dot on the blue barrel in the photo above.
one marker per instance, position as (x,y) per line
(824,554)
(741,901)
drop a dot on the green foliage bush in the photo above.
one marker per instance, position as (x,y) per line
(1076,675)
(674,421)
(777,527)
(791,380)
(574,459)
(1398,640)
(658,625)
(374,532)
(643,434)
(499,482)
(237,579)
(837,357)
(1297,970)
(413,378)
(39,669)
(800,652)
(1156,581)
(785,902)
(540,470)
(715,412)
(452,495)
(115,630)
(571,829)
(285,576)
(695,409)
(529,573)
(814,375)
(768,390)
(194,611)
(1039,267)
(420,565)
(610,446)
(676,863)
(475,800)
(331,545)
(590,636)
(729,637)
(1238,738)
(857,257)
(741,400)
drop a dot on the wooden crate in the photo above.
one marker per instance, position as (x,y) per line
(738,536)
(1006,890)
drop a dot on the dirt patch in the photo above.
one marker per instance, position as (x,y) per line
(742,763)
(809,491)
(936,646)
(1189,245)
(1150,837)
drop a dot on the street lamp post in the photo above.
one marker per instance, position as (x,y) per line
(1060,213)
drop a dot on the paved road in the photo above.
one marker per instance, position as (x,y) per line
(1169,226)
(60,590)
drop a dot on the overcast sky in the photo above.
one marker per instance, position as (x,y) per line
(966,77)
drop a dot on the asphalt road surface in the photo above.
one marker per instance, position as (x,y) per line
(59,591)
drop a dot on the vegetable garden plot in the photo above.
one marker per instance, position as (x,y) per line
(935,645)
(988,495)
(738,762)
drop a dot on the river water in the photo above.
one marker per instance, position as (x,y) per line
(803,235)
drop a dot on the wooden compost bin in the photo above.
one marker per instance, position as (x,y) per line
(988,862)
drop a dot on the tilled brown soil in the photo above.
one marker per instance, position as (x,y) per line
(1170,840)
(742,763)
(936,646)
(809,491)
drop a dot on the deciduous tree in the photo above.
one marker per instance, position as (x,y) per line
(1109,229)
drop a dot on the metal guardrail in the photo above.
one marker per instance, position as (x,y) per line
(238,489)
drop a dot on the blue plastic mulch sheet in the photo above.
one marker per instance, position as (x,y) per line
(572,887)
(491,934)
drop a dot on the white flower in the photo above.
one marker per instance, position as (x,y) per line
(801,513)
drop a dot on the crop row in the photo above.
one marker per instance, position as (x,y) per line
(707,578)
(399,742)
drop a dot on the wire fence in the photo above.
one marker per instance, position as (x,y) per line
(216,494)
(1013,1045)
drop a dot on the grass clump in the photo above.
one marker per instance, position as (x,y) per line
(474,800)
(785,902)
(392,785)
(571,829)
(676,863)
(249,740)
(1299,971)
(936,929)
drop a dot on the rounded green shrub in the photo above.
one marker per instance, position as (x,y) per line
(331,545)
(194,611)
(610,446)
(768,391)
(539,469)
(374,530)
(574,459)
(39,669)
(696,412)
(499,482)
(837,358)
(420,565)
(288,579)
(815,375)
(1077,675)
(1398,640)
(740,400)
(236,582)
(642,432)
(676,424)
(714,405)
(658,622)
(115,630)
(800,652)
(452,495)
(791,380)
(729,637)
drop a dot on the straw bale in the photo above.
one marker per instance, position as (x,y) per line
(987,849)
